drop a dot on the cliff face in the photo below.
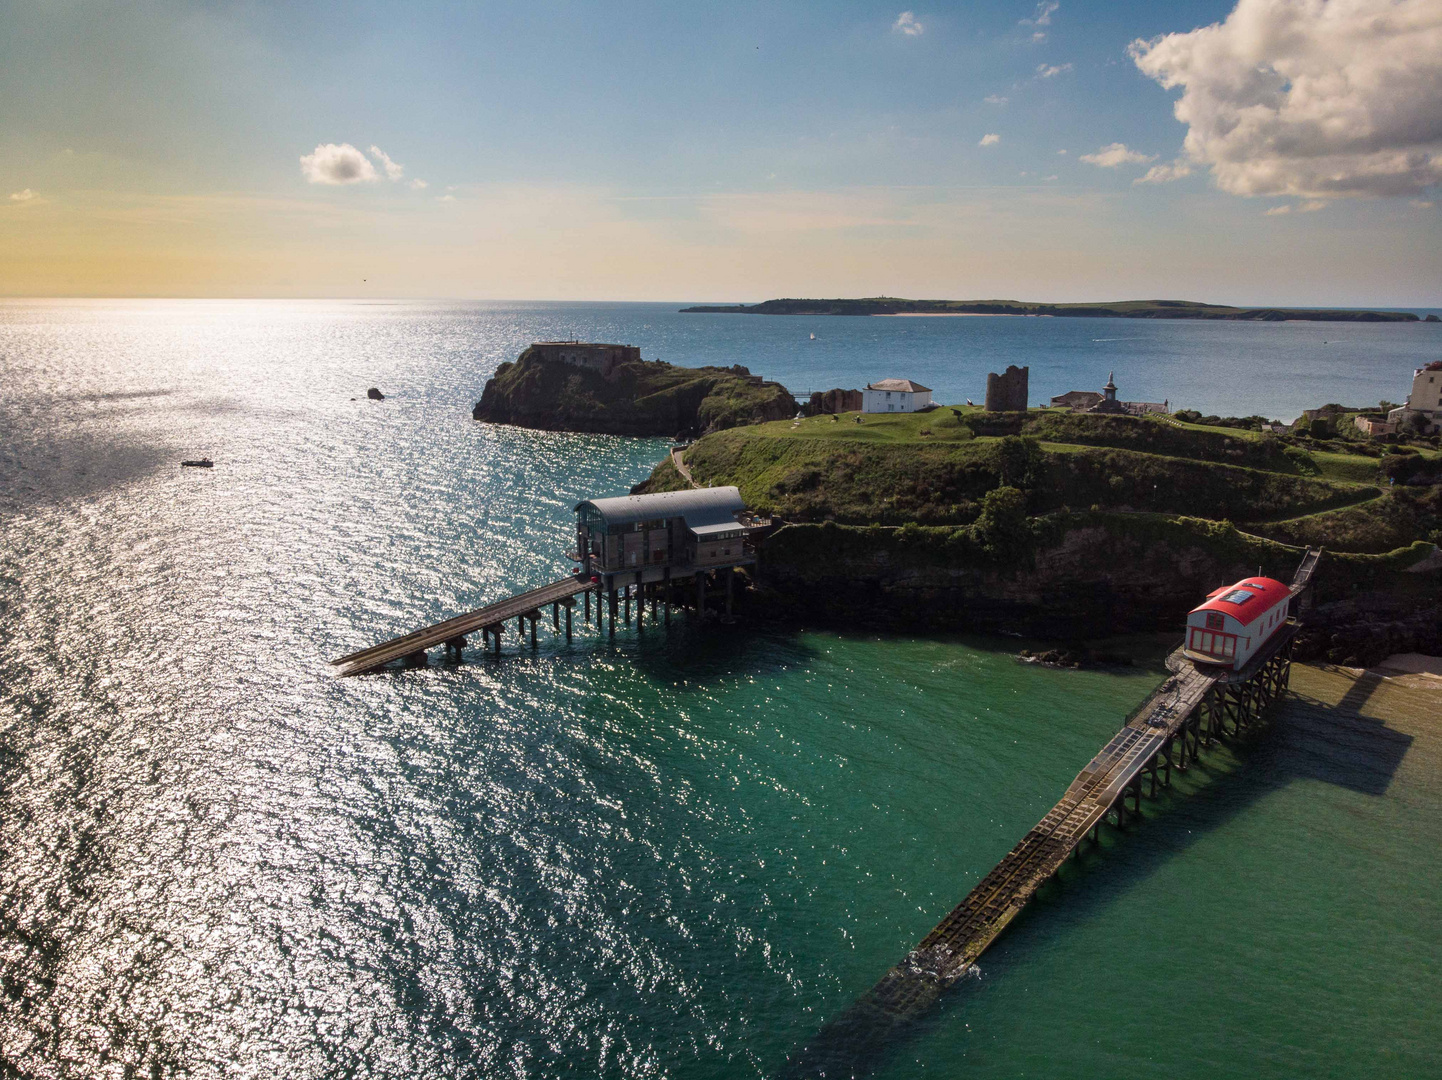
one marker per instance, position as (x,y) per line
(1090,575)
(633,398)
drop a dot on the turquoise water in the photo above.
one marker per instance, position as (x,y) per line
(674,855)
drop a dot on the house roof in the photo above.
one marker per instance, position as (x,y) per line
(698,507)
(906,386)
(1246,600)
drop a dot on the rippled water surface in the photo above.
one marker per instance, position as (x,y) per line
(671,855)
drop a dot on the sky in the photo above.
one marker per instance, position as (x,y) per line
(1243,151)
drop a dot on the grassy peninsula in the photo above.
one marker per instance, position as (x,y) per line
(1121,309)
(634,398)
(1065,524)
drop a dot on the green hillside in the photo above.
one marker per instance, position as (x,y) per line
(940,469)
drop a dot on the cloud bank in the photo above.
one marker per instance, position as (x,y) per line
(906,23)
(1311,98)
(337,164)
(989,140)
(24,195)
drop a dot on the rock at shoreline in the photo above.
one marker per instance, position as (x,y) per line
(375,395)
(629,398)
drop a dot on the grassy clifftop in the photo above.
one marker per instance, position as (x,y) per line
(641,398)
(940,469)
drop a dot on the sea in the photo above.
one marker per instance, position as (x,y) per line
(672,854)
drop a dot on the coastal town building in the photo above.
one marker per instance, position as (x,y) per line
(635,539)
(1369,426)
(1424,403)
(1086,401)
(1077,400)
(587,354)
(1007,392)
(895,395)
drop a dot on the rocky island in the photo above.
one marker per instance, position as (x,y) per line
(610,390)
(1122,309)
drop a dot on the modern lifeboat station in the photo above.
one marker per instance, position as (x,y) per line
(643,540)
(628,549)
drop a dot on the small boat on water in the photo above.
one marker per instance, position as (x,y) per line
(198,463)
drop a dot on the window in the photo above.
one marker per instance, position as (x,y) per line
(1214,621)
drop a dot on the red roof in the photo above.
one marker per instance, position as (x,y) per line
(1247,599)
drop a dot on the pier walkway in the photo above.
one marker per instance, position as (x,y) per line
(1188,711)
(453,631)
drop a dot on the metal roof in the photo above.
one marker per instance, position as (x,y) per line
(698,506)
(906,386)
(1238,600)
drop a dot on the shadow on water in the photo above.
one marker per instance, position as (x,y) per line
(684,656)
(1304,739)
(54,469)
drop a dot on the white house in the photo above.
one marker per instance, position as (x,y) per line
(1425,398)
(895,395)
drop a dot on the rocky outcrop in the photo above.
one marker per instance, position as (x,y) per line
(834,401)
(630,398)
(375,395)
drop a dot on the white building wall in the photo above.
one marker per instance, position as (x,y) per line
(1426,398)
(882,401)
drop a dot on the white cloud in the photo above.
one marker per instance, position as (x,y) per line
(418,184)
(995,99)
(24,195)
(1165,174)
(1044,12)
(1274,211)
(394,169)
(989,140)
(1114,154)
(1312,207)
(1312,98)
(1423,204)
(1062,153)
(1053,176)
(1039,35)
(906,23)
(1051,71)
(337,164)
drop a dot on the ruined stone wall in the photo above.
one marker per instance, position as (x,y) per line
(596,357)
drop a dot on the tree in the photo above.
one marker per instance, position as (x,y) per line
(1002,527)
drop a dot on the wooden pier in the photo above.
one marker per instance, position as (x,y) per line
(490,620)
(1196,706)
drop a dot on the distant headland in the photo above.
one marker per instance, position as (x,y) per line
(1122,309)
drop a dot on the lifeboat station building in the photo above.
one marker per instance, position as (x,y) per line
(639,540)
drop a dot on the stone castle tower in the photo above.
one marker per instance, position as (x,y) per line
(1007,392)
